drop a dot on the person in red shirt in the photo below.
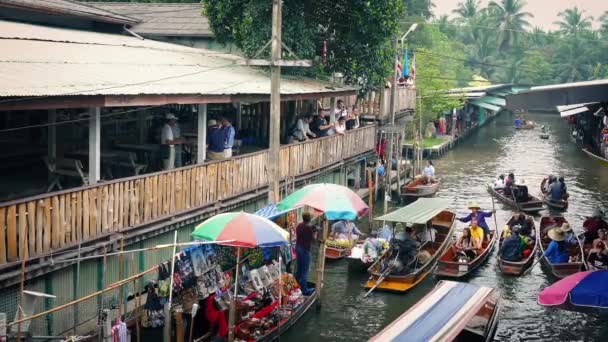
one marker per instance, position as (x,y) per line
(305,233)
(593,224)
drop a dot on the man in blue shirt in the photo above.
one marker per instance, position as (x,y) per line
(511,248)
(215,138)
(480,216)
(229,133)
(556,191)
(518,122)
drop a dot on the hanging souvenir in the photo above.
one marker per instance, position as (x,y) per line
(199,261)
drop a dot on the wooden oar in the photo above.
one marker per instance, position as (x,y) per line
(382,276)
(534,264)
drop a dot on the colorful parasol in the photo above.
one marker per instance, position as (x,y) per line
(243,229)
(579,291)
(336,201)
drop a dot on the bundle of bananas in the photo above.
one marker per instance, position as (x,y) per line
(340,243)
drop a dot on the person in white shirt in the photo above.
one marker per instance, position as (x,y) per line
(429,172)
(499,183)
(340,127)
(340,110)
(169,138)
(302,130)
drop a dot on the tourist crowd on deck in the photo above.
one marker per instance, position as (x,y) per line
(318,125)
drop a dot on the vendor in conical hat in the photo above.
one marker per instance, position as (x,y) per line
(480,215)
(557,251)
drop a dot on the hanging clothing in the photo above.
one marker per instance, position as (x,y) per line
(119,331)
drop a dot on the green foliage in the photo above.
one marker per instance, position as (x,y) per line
(358,33)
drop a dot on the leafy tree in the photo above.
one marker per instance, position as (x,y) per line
(358,34)
(511,21)
(573,21)
(604,23)
(419,8)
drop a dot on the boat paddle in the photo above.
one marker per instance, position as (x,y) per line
(382,276)
(534,264)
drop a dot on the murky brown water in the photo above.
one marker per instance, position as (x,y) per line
(496,148)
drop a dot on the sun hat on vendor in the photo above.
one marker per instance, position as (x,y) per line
(557,234)
(474,205)
(566,227)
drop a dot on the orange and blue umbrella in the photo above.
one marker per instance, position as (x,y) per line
(242,230)
(580,291)
(335,201)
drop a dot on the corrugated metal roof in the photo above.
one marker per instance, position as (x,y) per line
(485,105)
(570,85)
(45,61)
(162,19)
(68,7)
(418,212)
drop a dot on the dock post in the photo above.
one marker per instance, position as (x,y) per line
(321,261)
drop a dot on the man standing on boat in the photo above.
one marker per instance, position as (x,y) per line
(476,213)
(305,233)
(429,172)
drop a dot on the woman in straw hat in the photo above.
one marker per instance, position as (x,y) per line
(480,216)
(557,251)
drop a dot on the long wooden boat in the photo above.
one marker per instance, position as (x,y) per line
(517,268)
(288,322)
(336,253)
(448,268)
(418,188)
(596,157)
(576,252)
(556,205)
(533,205)
(421,211)
(452,311)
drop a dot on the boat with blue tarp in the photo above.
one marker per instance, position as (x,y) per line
(452,311)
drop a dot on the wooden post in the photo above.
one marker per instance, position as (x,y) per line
(94,144)
(393,105)
(388,171)
(239,116)
(275,101)
(370,186)
(121,274)
(52,137)
(179,326)
(167,308)
(201,139)
(332,109)
(321,261)
(232,312)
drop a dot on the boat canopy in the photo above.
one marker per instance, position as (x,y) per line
(439,316)
(270,211)
(418,212)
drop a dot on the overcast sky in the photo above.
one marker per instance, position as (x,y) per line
(545,11)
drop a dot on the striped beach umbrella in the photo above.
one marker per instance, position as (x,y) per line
(335,201)
(242,229)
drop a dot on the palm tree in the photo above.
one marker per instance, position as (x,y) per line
(572,60)
(573,21)
(511,20)
(466,10)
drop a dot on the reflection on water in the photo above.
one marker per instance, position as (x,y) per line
(494,149)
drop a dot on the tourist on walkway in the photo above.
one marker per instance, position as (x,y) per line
(301,131)
(340,110)
(353,119)
(479,216)
(215,138)
(305,233)
(320,127)
(557,252)
(170,137)
(229,133)
(340,126)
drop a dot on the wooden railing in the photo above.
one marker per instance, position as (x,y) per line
(35,226)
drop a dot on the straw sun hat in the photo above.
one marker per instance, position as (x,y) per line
(566,227)
(557,234)
(474,204)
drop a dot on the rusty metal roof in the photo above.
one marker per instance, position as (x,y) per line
(162,19)
(68,7)
(46,61)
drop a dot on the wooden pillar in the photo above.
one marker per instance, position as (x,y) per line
(52,137)
(332,109)
(94,144)
(321,260)
(274,140)
(201,140)
(239,116)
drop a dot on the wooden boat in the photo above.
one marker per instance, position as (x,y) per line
(355,258)
(288,322)
(517,268)
(556,205)
(335,253)
(576,252)
(533,205)
(419,212)
(596,157)
(544,136)
(452,311)
(448,268)
(418,188)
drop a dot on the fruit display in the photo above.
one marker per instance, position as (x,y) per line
(339,243)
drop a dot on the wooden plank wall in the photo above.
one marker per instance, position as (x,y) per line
(34,227)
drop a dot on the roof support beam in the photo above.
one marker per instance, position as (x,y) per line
(94,144)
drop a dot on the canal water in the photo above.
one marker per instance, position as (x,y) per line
(496,148)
